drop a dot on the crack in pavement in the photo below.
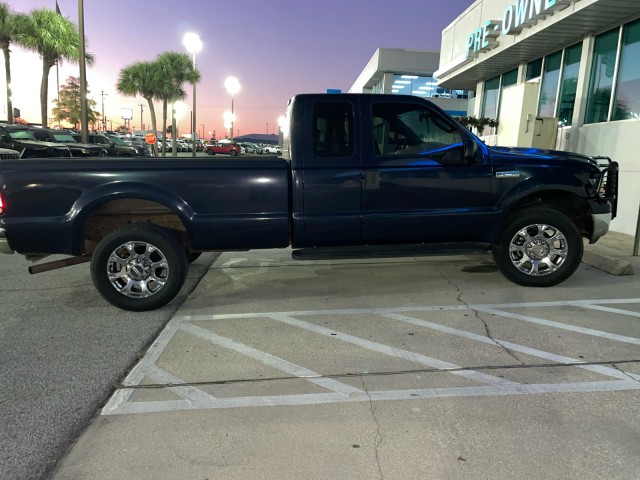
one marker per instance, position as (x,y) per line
(613,363)
(624,373)
(477,315)
(378,437)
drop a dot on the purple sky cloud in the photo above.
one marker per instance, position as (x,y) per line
(275,48)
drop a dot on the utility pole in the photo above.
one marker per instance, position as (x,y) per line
(104,120)
(83,75)
(141,110)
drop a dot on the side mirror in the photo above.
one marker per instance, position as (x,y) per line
(471,151)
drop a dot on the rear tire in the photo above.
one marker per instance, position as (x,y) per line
(139,267)
(539,248)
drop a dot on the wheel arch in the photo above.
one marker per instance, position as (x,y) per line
(112,206)
(569,203)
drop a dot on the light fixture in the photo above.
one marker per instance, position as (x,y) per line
(193,44)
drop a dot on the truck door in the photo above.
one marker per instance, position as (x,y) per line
(331,176)
(419,183)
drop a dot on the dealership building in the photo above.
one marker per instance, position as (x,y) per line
(409,72)
(559,74)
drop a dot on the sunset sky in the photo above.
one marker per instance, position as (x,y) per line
(276,48)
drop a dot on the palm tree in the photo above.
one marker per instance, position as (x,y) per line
(175,69)
(54,38)
(142,78)
(8,29)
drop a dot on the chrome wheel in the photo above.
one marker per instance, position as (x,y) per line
(137,269)
(538,249)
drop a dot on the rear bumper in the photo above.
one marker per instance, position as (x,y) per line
(4,243)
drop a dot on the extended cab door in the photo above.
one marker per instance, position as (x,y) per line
(328,181)
(422,182)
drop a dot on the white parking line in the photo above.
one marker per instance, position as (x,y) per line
(562,326)
(612,372)
(272,361)
(121,402)
(395,352)
(386,395)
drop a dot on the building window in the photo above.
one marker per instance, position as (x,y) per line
(510,78)
(423,86)
(627,101)
(602,72)
(569,84)
(491,98)
(549,88)
(534,69)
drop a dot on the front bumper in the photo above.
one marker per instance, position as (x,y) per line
(4,243)
(601,222)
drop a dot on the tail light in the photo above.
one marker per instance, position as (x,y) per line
(1,204)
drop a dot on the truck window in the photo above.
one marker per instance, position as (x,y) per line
(405,129)
(333,129)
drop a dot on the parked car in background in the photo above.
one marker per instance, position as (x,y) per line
(251,148)
(141,149)
(113,145)
(66,137)
(273,149)
(140,144)
(184,146)
(20,138)
(7,154)
(232,149)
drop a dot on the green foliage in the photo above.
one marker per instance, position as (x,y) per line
(68,104)
(478,123)
(9,28)
(53,37)
(160,80)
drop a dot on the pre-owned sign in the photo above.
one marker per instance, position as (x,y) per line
(516,16)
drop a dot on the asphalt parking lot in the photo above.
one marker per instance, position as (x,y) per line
(393,369)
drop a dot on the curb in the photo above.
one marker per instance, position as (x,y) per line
(607,264)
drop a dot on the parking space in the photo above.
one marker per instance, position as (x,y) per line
(396,368)
(318,356)
(247,356)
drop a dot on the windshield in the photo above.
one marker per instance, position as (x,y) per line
(21,135)
(117,141)
(64,137)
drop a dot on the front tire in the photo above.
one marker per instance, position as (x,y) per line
(139,267)
(538,248)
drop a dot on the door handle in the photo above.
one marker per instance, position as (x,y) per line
(371,179)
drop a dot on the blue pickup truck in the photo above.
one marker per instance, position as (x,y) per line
(363,171)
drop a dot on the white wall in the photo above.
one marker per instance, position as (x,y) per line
(619,141)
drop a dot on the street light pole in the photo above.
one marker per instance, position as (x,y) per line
(83,76)
(233,86)
(192,43)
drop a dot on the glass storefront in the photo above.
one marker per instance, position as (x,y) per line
(569,84)
(602,71)
(549,88)
(491,98)
(423,86)
(627,102)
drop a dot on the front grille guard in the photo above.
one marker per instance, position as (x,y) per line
(608,185)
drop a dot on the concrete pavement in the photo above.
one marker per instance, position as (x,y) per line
(395,368)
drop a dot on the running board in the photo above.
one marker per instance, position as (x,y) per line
(390,251)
